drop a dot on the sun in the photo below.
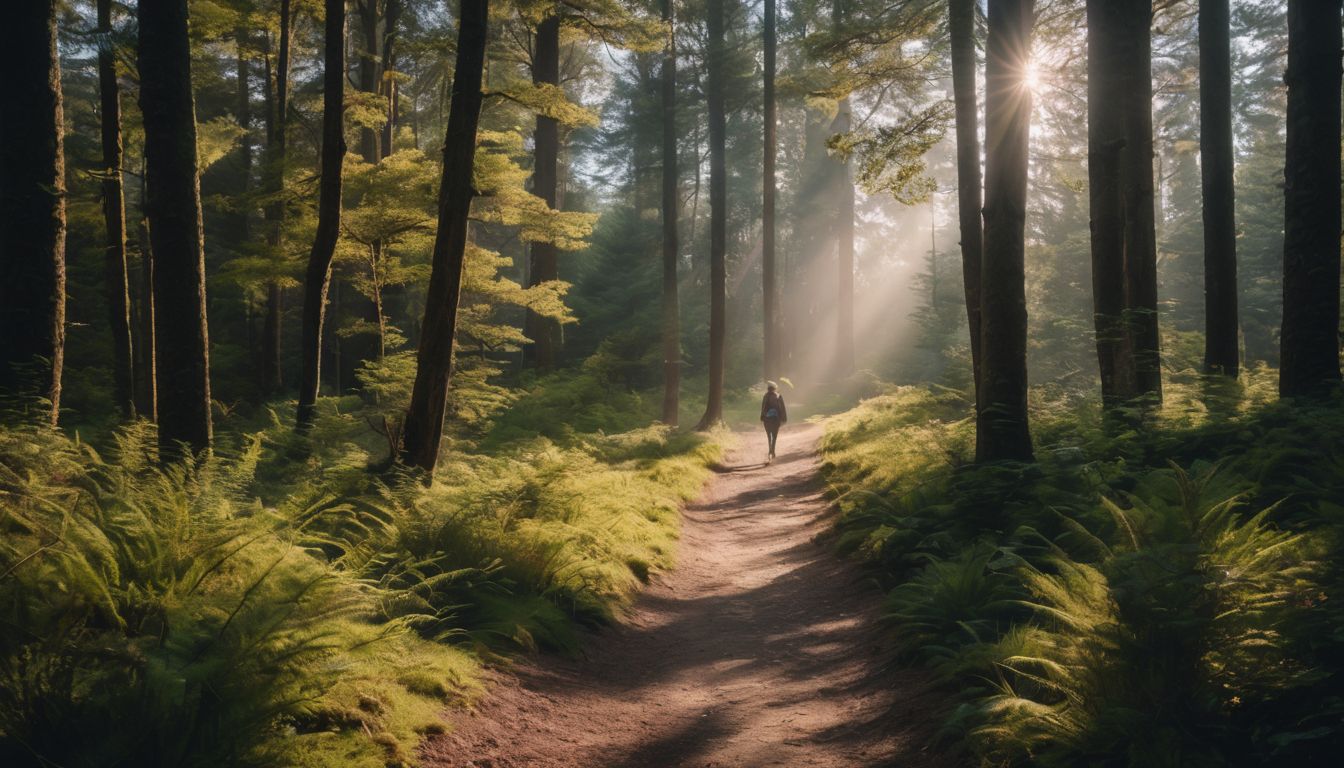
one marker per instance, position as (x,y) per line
(1031,77)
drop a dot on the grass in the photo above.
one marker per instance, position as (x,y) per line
(1166,593)
(277,603)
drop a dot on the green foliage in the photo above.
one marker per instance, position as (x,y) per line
(1107,607)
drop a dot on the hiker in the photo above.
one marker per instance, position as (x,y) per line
(773,414)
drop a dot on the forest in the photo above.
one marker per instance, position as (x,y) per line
(381,383)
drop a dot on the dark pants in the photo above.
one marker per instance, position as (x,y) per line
(772,432)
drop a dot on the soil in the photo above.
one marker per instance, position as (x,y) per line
(762,648)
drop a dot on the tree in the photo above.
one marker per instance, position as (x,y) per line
(434,368)
(844,230)
(961,30)
(1221,350)
(277,130)
(318,276)
(32,198)
(173,208)
(545,265)
(718,214)
(1002,430)
(114,217)
(1309,339)
(671,321)
(770,329)
(1120,178)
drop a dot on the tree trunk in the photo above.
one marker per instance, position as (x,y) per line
(146,387)
(1001,421)
(317,278)
(770,322)
(1309,339)
(391,16)
(424,421)
(718,215)
(1133,38)
(671,319)
(276,137)
(369,138)
(844,235)
(244,113)
(545,332)
(114,217)
(32,198)
(1221,351)
(173,204)
(961,29)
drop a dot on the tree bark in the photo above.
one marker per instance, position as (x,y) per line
(146,388)
(844,235)
(1002,431)
(1221,350)
(32,198)
(424,420)
(770,322)
(369,138)
(1309,338)
(1133,37)
(961,30)
(671,312)
(114,218)
(173,204)
(545,332)
(317,279)
(718,215)
(277,139)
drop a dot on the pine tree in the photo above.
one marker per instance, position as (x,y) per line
(173,209)
(671,325)
(32,198)
(1221,348)
(318,276)
(770,321)
(1002,430)
(114,217)
(1309,339)
(961,31)
(718,214)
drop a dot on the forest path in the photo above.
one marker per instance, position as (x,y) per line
(761,648)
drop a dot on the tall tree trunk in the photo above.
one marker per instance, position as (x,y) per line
(1133,38)
(961,30)
(391,17)
(1001,420)
(429,397)
(1106,144)
(277,138)
(545,332)
(718,215)
(146,386)
(1309,339)
(1221,351)
(671,319)
(239,225)
(32,198)
(770,323)
(317,279)
(844,234)
(369,138)
(173,203)
(114,217)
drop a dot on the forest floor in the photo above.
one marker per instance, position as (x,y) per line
(761,648)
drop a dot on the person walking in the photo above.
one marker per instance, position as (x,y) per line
(773,415)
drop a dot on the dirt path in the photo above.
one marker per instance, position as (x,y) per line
(759,649)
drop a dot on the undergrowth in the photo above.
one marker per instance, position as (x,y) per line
(1164,593)
(278,604)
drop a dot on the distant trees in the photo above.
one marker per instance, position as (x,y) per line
(718,212)
(1001,416)
(434,367)
(769,291)
(277,155)
(1309,338)
(32,209)
(671,325)
(1221,346)
(317,279)
(173,205)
